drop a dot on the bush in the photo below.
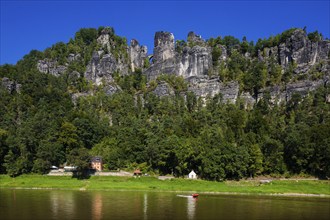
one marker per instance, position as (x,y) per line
(314,36)
(87,35)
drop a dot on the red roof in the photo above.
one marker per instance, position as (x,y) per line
(137,171)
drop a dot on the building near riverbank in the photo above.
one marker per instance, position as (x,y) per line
(192,175)
(96,163)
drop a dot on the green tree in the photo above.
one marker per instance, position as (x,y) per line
(216,53)
(256,77)
(255,157)
(320,141)
(86,35)
(110,152)
(275,71)
(80,158)
(273,157)
(3,148)
(68,137)
(255,166)
(314,36)
(298,151)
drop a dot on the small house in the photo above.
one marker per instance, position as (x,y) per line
(96,163)
(192,175)
(137,172)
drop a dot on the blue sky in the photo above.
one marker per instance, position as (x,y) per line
(27,25)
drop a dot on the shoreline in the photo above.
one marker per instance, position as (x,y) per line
(287,188)
(308,195)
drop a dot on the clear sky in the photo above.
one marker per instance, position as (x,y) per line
(27,25)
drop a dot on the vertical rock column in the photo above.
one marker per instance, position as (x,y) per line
(138,54)
(164,47)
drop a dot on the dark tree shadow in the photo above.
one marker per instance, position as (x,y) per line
(83,174)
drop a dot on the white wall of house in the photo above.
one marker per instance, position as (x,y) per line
(192,175)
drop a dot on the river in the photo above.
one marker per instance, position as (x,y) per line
(95,205)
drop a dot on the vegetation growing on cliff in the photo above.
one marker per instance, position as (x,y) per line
(40,126)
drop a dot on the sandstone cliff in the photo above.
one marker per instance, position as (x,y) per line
(194,61)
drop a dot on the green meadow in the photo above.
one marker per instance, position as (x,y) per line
(285,187)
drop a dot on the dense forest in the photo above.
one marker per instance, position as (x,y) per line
(41,125)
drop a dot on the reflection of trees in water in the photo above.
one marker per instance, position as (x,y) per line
(191,207)
(62,202)
(97,206)
(67,204)
(145,206)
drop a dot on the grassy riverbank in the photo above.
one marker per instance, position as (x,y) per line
(316,187)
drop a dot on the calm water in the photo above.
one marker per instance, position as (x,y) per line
(57,204)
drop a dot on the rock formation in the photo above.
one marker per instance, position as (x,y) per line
(163,89)
(101,68)
(9,85)
(203,87)
(73,57)
(299,49)
(51,67)
(104,63)
(193,62)
(138,55)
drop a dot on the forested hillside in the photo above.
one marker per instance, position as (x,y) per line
(97,96)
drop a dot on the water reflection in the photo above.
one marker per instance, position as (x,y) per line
(43,204)
(97,207)
(145,205)
(62,203)
(191,207)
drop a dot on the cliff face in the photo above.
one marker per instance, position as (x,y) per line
(101,67)
(190,62)
(9,85)
(108,60)
(193,61)
(51,66)
(138,55)
(299,49)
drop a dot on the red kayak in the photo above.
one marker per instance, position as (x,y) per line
(195,195)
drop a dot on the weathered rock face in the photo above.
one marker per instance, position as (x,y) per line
(277,94)
(11,86)
(164,47)
(195,39)
(163,89)
(248,99)
(280,94)
(111,89)
(299,49)
(51,67)
(203,87)
(195,61)
(104,63)
(138,55)
(104,39)
(73,57)
(306,55)
(101,68)
(223,56)
(303,87)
